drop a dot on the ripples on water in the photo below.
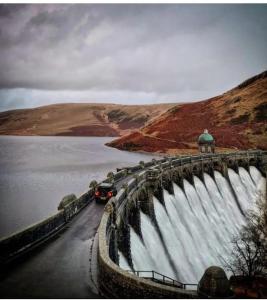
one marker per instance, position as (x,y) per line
(36,172)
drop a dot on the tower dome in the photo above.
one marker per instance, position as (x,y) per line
(205,137)
(206,142)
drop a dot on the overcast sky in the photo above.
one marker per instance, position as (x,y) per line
(124,53)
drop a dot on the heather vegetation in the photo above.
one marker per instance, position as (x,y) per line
(232,118)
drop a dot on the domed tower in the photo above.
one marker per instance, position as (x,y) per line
(206,142)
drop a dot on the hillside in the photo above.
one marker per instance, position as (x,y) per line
(79,119)
(237,119)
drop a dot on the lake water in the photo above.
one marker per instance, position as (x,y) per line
(36,172)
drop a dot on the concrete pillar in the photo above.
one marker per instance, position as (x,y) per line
(124,242)
(261,164)
(179,181)
(147,205)
(235,166)
(211,172)
(201,175)
(113,245)
(246,164)
(190,177)
(225,170)
(158,193)
(188,173)
(197,170)
(135,220)
(167,185)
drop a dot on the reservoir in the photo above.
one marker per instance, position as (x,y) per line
(37,172)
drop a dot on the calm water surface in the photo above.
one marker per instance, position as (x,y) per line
(36,172)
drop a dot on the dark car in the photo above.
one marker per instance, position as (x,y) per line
(104,192)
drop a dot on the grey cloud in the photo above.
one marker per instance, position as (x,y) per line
(8,10)
(186,51)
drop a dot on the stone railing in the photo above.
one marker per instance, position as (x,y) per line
(115,282)
(22,241)
(26,239)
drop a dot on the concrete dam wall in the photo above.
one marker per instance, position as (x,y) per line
(174,220)
(171,219)
(195,225)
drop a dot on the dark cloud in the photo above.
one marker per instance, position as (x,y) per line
(178,52)
(8,10)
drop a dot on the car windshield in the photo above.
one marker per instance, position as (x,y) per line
(103,189)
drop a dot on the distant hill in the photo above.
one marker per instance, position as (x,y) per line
(237,119)
(79,119)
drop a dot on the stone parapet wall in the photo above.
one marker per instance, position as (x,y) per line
(24,240)
(113,279)
(20,242)
(115,282)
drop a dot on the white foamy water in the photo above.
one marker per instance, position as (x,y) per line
(231,204)
(140,255)
(197,224)
(259,181)
(155,247)
(123,263)
(255,174)
(181,233)
(250,187)
(239,189)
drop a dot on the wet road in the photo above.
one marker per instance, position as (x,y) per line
(60,269)
(42,170)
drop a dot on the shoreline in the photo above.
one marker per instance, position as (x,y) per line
(176,152)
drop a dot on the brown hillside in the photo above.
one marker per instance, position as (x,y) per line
(237,119)
(78,119)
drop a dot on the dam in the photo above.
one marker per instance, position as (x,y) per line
(171,219)
(174,221)
(199,220)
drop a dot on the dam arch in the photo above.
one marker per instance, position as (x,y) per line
(175,171)
(114,281)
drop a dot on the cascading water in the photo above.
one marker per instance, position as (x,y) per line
(240,190)
(140,255)
(181,232)
(255,174)
(230,202)
(196,225)
(248,183)
(155,247)
(173,244)
(259,181)
(123,262)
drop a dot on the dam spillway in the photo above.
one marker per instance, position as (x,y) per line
(195,224)
(171,216)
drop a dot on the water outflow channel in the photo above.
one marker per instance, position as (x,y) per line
(196,225)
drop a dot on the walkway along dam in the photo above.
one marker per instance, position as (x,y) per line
(171,220)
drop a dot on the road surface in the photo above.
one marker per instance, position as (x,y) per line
(60,268)
(64,267)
